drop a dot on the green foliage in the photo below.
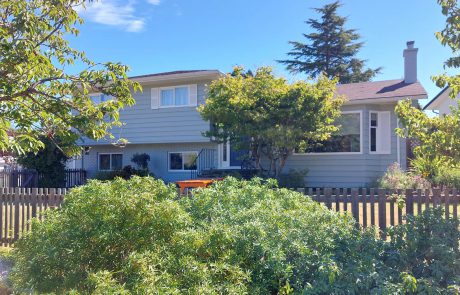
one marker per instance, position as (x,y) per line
(49,162)
(426,251)
(293,179)
(450,37)
(448,177)
(331,49)
(38,95)
(235,237)
(276,116)
(396,178)
(126,173)
(439,138)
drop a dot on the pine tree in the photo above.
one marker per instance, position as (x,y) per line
(331,49)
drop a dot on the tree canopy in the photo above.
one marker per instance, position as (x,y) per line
(270,115)
(439,137)
(331,49)
(450,37)
(39,95)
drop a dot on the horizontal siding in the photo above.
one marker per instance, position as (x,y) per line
(142,124)
(350,170)
(158,153)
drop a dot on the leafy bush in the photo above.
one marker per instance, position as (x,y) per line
(126,173)
(235,237)
(396,178)
(448,177)
(426,251)
(293,179)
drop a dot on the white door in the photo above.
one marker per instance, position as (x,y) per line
(224,155)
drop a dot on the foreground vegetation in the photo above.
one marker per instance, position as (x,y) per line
(135,237)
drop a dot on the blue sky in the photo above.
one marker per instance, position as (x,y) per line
(165,35)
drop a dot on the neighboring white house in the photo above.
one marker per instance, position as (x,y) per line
(441,104)
(165,124)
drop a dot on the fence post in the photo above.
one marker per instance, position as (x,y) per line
(382,212)
(436,197)
(328,194)
(17,193)
(355,205)
(409,202)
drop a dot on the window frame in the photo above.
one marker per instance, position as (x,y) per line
(360,112)
(110,154)
(174,97)
(377,152)
(180,152)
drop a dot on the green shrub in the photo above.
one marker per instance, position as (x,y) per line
(126,173)
(293,179)
(448,177)
(235,237)
(232,238)
(396,178)
(426,251)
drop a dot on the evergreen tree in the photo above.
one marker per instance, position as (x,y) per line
(331,49)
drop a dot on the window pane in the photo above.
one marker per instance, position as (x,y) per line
(104,162)
(175,161)
(189,161)
(347,139)
(374,119)
(181,96)
(167,97)
(373,139)
(117,161)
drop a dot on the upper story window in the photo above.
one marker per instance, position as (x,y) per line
(346,140)
(379,132)
(108,162)
(177,96)
(97,98)
(174,96)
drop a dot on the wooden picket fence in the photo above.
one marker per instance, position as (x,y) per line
(19,205)
(370,207)
(383,208)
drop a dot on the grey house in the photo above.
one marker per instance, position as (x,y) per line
(165,124)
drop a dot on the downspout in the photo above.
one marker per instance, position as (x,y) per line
(398,145)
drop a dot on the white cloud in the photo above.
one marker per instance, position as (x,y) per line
(154,2)
(113,13)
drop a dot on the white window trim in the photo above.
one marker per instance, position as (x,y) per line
(99,162)
(343,153)
(377,152)
(174,97)
(183,170)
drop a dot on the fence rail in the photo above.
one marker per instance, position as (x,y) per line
(370,207)
(28,178)
(383,208)
(19,205)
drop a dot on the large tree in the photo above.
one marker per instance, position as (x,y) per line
(450,37)
(41,91)
(331,49)
(270,115)
(439,137)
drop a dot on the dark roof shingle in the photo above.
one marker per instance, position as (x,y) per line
(380,89)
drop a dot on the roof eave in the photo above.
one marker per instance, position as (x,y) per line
(384,99)
(211,75)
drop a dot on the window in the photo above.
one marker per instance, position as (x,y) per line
(346,140)
(177,96)
(110,162)
(100,97)
(379,132)
(181,161)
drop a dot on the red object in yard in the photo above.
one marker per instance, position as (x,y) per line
(183,184)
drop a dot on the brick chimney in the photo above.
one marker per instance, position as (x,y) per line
(410,63)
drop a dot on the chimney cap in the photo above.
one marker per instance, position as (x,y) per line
(410,44)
